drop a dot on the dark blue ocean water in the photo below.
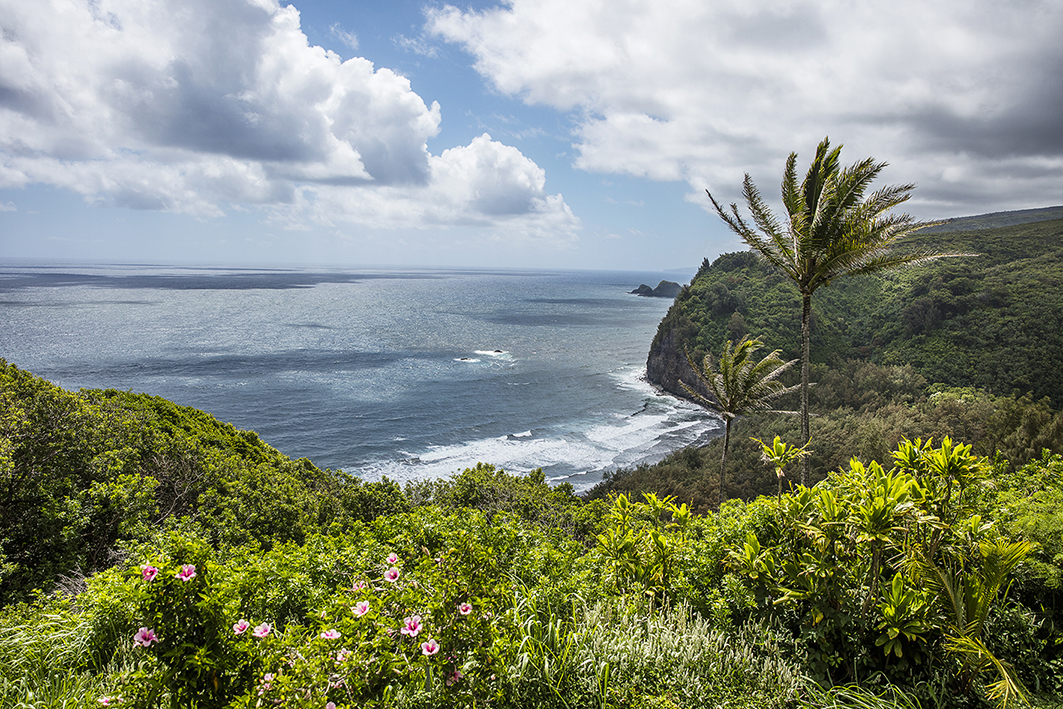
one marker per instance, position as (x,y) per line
(408,374)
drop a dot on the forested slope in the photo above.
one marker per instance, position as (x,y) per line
(992,320)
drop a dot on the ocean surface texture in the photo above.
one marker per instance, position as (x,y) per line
(408,374)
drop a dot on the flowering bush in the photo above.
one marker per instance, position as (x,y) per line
(190,650)
(341,620)
(364,647)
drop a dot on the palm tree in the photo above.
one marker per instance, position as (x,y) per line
(832,231)
(739,386)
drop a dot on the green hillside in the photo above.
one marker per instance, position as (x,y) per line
(156,557)
(992,320)
(84,473)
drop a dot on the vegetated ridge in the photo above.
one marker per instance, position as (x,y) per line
(993,320)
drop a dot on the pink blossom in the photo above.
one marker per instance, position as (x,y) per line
(412,626)
(266,683)
(359,585)
(145,637)
(393,558)
(361,608)
(391,575)
(330,705)
(261,631)
(429,647)
(465,608)
(454,677)
(240,626)
(330,634)
(148,573)
(110,701)
(342,655)
(187,572)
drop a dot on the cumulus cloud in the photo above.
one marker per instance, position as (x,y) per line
(484,184)
(961,96)
(199,105)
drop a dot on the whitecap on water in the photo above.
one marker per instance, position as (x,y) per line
(574,453)
(497,354)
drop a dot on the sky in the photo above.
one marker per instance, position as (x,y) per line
(513,134)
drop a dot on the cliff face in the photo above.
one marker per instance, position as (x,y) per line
(667,363)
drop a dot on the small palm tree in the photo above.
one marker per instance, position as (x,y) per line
(779,454)
(832,231)
(739,385)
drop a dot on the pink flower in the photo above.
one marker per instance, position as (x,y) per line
(148,573)
(454,677)
(393,558)
(342,655)
(110,701)
(240,626)
(145,637)
(361,608)
(330,705)
(412,627)
(429,647)
(261,631)
(187,572)
(359,585)
(330,634)
(391,575)
(465,608)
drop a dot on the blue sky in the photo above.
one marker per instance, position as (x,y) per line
(545,133)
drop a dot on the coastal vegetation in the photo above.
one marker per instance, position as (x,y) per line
(176,561)
(153,556)
(993,321)
(831,231)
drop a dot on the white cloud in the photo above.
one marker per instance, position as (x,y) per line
(197,106)
(961,96)
(8,207)
(484,184)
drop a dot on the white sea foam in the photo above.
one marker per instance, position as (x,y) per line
(497,354)
(578,454)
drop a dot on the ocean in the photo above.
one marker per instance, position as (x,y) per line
(408,374)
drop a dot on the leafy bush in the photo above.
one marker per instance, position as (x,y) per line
(493,491)
(87,472)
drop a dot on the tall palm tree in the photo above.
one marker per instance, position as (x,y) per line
(739,386)
(831,231)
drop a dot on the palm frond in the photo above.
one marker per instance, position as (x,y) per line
(1007,690)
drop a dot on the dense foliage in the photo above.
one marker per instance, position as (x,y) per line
(993,320)
(83,473)
(182,563)
(867,410)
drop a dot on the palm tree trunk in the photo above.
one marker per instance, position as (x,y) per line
(723,459)
(806,358)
